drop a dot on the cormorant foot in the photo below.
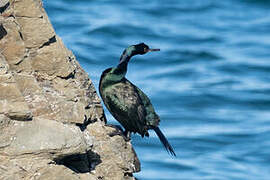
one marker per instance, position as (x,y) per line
(115,133)
(127,135)
(115,127)
(118,131)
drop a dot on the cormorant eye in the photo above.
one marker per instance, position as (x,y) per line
(145,49)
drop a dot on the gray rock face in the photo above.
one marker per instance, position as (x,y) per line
(52,124)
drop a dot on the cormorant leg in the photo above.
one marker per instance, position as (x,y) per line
(116,127)
(127,135)
(118,130)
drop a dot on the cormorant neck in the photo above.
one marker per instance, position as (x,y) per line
(121,69)
(123,62)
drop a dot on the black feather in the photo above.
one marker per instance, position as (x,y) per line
(164,141)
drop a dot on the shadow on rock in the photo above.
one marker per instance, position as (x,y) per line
(80,163)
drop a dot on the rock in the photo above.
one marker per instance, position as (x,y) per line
(12,103)
(115,153)
(33,94)
(35,31)
(7,134)
(4,5)
(4,67)
(57,58)
(12,45)
(54,172)
(3,31)
(47,137)
(28,8)
(52,122)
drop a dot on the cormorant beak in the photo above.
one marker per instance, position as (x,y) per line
(151,50)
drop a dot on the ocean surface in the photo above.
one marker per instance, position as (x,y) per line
(210,83)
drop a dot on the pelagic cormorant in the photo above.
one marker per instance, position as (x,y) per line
(126,102)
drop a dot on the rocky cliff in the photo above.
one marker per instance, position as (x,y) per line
(52,124)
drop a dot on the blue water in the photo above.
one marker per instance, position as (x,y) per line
(210,83)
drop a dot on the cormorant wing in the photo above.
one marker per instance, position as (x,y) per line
(152,119)
(124,102)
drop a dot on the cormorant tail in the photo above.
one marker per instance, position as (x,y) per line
(164,141)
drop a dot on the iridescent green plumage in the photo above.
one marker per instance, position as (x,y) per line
(126,102)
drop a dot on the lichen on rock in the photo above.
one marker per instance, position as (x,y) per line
(52,125)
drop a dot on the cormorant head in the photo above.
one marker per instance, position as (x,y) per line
(134,50)
(141,49)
